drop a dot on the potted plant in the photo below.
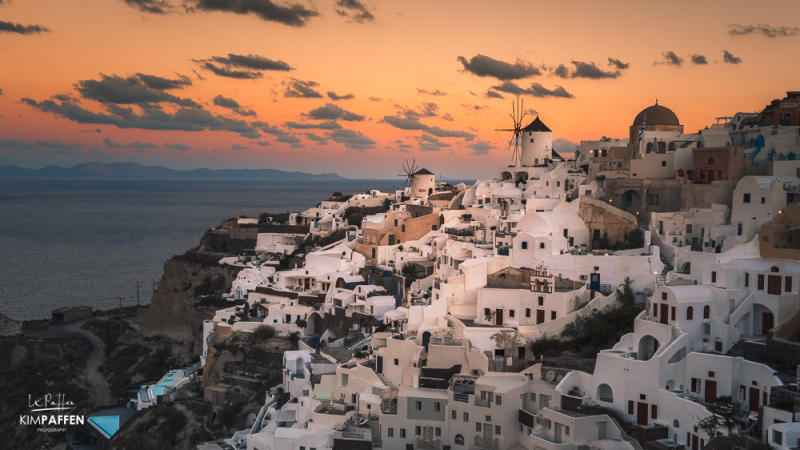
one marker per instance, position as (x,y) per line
(723,400)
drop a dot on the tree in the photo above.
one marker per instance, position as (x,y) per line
(711,424)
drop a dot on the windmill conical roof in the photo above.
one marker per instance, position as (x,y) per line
(536,125)
(423,172)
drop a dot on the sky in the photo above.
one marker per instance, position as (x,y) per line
(356,87)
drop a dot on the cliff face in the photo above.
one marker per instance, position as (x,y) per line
(177,310)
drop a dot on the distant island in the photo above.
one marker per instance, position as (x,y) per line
(133,170)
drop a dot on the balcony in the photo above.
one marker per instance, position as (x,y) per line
(459,397)
(485,403)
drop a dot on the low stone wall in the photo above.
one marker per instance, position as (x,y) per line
(565,364)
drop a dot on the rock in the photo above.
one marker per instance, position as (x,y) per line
(9,327)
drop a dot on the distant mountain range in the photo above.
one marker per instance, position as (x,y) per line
(133,170)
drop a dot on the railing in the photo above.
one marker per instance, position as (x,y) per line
(460,231)
(489,444)
(459,397)
(479,402)
(432,444)
(503,251)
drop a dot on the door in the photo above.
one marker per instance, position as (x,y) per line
(380,364)
(718,346)
(695,443)
(660,227)
(753,403)
(711,391)
(487,432)
(498,317)
(774,285)
(641,414)
(544,401)
(664,313)
(539,316)
(557,433)
(767,322)
(601,431)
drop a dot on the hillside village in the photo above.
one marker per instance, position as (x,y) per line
(642,294)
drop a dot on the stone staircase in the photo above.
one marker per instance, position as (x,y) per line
(355,346)
(382,377)
(375,427)
(736,350)
(634,443)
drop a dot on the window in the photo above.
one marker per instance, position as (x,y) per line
(511,313)
(664,296)
(630,407)
(402,432)
(454,414)
(395,222)
(403,228)
(345,378)
(760,282)
(652,199)
(419,406)
(663,164)
(746,279)
(654,411)
(466,417)
(528,310)
(389,433)
(711,374)
(417,431)
(498,400)
(478,426)
(710,161)
(655,309)
(488,418)
(713,277)
(396,362)
(696,386)
(777,437)
(353,398)
(552,315)
(746,198)
(497,429)
(706,312)
(438,431)
(437,406)
(688,228)
(524,245)
(763,200)
(689,313)
(672,313)
(787,281)
(566,431)
(541,300)
(541,245)
(533,396)
(459,439)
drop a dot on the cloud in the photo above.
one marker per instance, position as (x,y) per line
(698,59)
(480,148)
(334,96)
(16,144)
(618,64)
(140,145)
(532,112)
(327,125)
(536,90)
(294,15)
(318,139)
(448,117)
(564,145)
(290,139)
(264,143)
(492,94)
(762,29)
(232,73)
(670,58)
(473,107)
(375,99)
(301,89)
(412,124)
(485,66)
(428,143)
(150,6)
(160,83)
(129,91)
(333,112)
(151,118)
(238,147)
(111,143)
(11,27)
(1,92)
(55,143)
(178,146)
(245,112)
(591,71)
(225,102)
(434,93)
(727,57)
(355,140)
(253,62)
(359,12)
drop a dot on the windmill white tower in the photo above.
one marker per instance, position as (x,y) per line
(537,143)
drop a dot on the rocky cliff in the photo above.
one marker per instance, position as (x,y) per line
(9,327)
(189,288)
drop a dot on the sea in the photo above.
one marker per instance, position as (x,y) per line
(72,242)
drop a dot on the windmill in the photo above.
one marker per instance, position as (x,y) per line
(517,114)
(408,171)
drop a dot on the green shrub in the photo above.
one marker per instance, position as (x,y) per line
(263,333)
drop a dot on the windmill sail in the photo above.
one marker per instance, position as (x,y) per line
(517,115)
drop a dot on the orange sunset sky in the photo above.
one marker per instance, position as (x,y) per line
(356,86)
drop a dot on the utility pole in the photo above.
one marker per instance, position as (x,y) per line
(120,304)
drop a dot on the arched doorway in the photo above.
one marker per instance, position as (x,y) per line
(426,339)
(648,346)
(314,325)
(505,176)
(605,394)
(632,199)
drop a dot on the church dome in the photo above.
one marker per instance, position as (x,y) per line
(656,115)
